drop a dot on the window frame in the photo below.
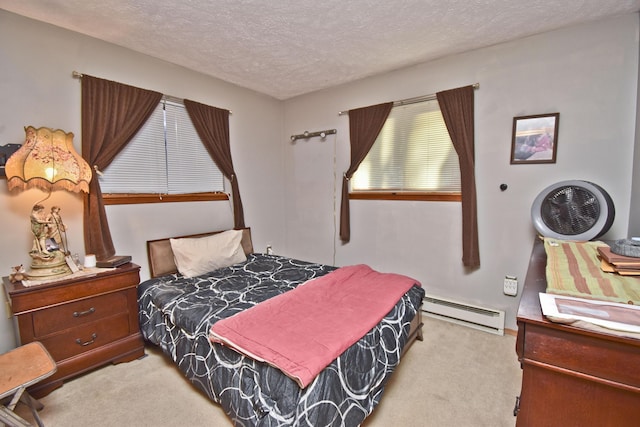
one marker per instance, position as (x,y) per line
(425,196)
(408,195)
(143,198)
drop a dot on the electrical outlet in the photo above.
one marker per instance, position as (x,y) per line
(510,285)
(269,250)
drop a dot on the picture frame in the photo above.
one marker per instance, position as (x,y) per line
(535,139)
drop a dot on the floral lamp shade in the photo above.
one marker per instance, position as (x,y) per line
(48,161)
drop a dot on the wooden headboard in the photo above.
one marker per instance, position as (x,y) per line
(160,255)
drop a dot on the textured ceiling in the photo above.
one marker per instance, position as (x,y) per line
(285,48)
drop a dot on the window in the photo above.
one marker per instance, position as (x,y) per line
(166,157)
(412,158)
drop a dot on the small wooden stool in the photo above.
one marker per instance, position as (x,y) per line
(19,369)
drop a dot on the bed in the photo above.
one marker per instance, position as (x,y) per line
(177,314)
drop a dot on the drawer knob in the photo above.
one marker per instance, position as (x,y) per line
(84,313)
(91,341)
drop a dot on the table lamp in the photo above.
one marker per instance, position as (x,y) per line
(47,161)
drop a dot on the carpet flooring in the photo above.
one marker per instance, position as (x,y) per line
(457,376)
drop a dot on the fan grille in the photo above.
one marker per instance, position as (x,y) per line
(570,210)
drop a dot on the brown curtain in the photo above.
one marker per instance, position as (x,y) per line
(212,125)
(112,113)
(364,126)
(458,113)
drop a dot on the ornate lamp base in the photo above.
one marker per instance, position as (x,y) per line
(48,268)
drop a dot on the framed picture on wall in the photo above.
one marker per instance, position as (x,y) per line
(535,139)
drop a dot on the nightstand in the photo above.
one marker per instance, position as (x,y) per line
(83,322)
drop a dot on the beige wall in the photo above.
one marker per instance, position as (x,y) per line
(36,62)
(586,73)
(290,191)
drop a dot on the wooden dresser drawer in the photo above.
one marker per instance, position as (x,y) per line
(609,360)
(87,337)
(77,313)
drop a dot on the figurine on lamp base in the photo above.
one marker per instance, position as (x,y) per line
(48,253)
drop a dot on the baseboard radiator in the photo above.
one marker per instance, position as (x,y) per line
(473,316)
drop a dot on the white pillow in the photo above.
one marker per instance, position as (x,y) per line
(198,255)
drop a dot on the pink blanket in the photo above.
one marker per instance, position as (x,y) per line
(302,331)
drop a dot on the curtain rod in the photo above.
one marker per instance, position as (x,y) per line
(414,100)
(78,75)
(307,134)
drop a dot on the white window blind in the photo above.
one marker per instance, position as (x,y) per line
(413,152)
(166,156)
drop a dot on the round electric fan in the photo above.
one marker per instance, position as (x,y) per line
(573,210)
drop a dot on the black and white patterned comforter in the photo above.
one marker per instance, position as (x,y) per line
(176,313)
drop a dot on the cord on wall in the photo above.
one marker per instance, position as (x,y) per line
(335,195)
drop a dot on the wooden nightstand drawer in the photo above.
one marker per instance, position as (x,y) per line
(77,313)
(84,322)
(86,337)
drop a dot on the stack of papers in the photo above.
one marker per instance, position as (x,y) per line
(614,263)
(610,315)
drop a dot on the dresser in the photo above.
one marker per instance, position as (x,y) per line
(572,376)
(83,322)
